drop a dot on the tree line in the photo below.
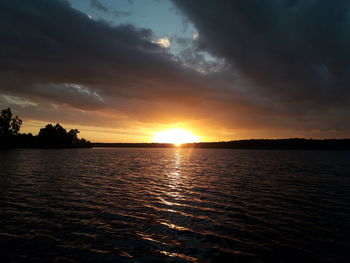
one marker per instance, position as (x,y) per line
(51,136)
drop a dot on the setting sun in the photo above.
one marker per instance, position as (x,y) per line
(175,136)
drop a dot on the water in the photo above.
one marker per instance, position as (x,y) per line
(174,205)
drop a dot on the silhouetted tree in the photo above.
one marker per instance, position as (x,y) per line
(73,135)
(5,119)
(9,126)
(15,125)
(49,137)
(57,136)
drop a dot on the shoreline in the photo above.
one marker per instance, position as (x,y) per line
(263,144)
(253,144)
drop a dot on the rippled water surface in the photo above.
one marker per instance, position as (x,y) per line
(174,205)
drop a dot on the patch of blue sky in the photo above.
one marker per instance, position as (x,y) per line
(161,16)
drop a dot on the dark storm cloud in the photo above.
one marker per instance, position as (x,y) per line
(48,42)
(99,6)
(291,51)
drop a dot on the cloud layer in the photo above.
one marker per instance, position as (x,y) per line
(292,51)
(276,65)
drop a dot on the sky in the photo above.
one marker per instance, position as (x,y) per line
(124,70)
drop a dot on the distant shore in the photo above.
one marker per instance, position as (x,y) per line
(271,144)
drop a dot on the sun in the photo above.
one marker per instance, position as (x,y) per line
(175,136)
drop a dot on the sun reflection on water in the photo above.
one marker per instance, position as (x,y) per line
(174,175)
